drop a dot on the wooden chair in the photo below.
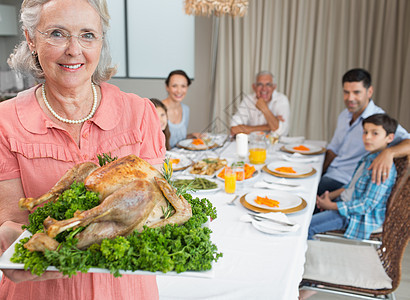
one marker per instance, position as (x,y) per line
(402,165)
(395,237)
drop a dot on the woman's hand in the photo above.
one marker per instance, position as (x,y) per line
(9,232)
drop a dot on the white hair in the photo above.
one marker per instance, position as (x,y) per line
(261,73)
(24,62)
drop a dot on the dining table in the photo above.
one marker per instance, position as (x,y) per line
(255,264)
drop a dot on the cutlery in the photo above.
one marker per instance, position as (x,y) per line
(273,186)
(232,202)
(281,183)
(261,217)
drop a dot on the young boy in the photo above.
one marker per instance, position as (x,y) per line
(360,206)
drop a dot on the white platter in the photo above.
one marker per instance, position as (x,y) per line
(5,263)
(188,171)
(218,183)
(286,200)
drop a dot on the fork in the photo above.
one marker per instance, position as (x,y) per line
(232,202)
(260,218)
(281,183)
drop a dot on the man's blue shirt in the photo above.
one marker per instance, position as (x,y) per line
(347,143)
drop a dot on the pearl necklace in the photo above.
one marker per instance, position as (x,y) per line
(90,115)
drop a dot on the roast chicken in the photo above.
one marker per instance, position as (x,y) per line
(132,194)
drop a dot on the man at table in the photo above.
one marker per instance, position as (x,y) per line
(346,148)
(265,110)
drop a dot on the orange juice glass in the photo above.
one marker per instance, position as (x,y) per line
(230,181)
(239,169)
(257,155)
(240,174)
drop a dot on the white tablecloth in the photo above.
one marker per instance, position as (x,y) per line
(254,265)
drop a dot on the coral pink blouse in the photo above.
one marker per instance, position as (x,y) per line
(38,151)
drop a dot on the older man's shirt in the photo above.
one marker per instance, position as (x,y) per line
(248,114)
(366,210)
(348,145)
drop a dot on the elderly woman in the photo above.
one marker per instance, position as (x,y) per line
(69,118)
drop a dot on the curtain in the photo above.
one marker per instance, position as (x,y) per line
(308,45)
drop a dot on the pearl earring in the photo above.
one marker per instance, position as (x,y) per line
(33,53)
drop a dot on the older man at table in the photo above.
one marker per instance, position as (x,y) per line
(265,110)
(346,147)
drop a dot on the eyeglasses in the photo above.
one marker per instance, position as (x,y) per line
(60,38)
(260,85)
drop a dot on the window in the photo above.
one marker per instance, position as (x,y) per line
(150,38)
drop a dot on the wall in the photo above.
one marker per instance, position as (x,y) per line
(7,43)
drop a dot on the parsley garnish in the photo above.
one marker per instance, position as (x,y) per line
(170,248)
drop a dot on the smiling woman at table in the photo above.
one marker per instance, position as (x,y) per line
(70,118)
(177,85)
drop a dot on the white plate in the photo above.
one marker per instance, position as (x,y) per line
(286,200)
(183,163)
(5,263)
(218,183)
(188,171)
(312,148)
(187,144)
(254,175)
(300,169)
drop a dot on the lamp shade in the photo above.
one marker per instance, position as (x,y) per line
(216,7)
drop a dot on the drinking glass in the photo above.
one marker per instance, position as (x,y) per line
(239,169)
(230,180)
(272,139)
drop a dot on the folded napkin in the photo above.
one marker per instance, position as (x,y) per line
(281,181)
(274,186)
(267,226)
(297,157)
(291,140)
